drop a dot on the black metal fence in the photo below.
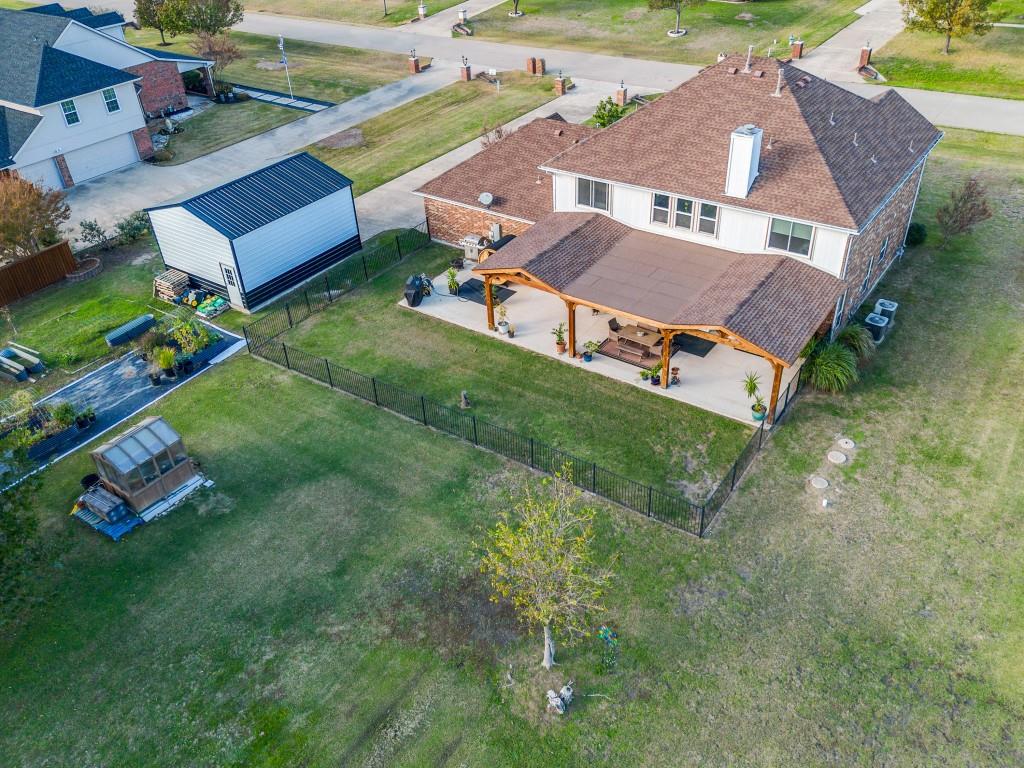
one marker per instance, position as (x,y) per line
(320,292)
(673,509)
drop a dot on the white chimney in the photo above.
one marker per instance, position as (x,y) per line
(744,157)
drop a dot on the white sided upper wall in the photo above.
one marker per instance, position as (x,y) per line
(97,46)
(739,229)
(296,238)
(190,244)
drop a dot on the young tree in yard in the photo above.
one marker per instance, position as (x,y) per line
(195,16)
(30,218)
(219,49)
(952,18)
(677,6)
(539,557)
(147,14)
(608,112)
(967,206)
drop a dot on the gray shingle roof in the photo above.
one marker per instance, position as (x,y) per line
(82,15)
(265,195)
(40,74)
(15,128)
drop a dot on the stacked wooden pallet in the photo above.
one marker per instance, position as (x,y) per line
(170,285)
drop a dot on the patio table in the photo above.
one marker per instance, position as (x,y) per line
(633,338)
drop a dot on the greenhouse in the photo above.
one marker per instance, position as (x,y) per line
(144,464)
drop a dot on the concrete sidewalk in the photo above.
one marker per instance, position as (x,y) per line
(115,195)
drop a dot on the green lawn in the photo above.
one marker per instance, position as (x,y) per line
(1011,11)
(327,72)
(350,11)
(408,136)
(628,28)
(14,5)
(990,65)
(67,321)
(225,124)
(319,606)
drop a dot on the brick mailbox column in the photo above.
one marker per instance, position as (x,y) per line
(465,73)
(414,64)
(865,58)
(796,49)
(540,67)
(531,66)
(560,86)
(621,97)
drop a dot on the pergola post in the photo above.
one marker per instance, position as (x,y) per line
(666,355)
(572,328)
(776,386)
(489,301)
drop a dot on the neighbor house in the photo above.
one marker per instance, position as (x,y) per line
(75,97)
(257,236)
(754,206)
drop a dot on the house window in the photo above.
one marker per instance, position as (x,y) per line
(110,99)
(592,194)
(70,112)
(884,249)
(659,215)
(708,221)
(684,213)
(790,237)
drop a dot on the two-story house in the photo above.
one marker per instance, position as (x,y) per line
(75,99)
(753,206)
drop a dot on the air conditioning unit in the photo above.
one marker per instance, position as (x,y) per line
(878,325)
(886,308)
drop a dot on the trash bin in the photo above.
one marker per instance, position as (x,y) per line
(414,291)
(878,325)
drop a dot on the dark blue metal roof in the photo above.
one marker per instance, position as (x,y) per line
(271,193)
(63,75)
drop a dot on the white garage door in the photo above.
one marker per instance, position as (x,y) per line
(44,173)
(106,156)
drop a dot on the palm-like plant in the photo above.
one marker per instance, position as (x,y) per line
(858,340)
(832,367)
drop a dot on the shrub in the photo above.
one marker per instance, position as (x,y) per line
(63,414)
(163,155)
(857,339)
(831,367)
(916,234)
(967,206)
(92,234)
(132,227)
(165,357)
(608,112)
(193,81)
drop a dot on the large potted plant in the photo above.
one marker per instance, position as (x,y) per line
(165,357)
(453,281)
(589,349)
(751,386)
(559,334)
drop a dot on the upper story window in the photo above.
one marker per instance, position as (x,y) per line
(677,211)
(70,112)
(592,194)
(110,99)
(790,237)
(708,221)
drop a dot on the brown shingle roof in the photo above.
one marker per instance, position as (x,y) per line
(509,170)
(771,301)
(810,167)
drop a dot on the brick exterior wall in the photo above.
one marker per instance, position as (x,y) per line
(161,86)
(65,172)
(449,222)
(891,222)
(143,143)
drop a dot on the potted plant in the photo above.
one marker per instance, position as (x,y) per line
(502,319)
(654,375)
(675,376)
(62,415)
(154,374)
(559,334)
(453,282)
(511,331)
(165,360)
(589,349)
(751,386)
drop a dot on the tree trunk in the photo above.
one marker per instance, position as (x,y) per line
(945,50)
(679,13)
(163,40)
(549,647)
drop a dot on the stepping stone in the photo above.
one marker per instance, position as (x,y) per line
(837,457)
(819,483)
(846,444)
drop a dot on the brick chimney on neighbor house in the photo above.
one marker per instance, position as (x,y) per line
(744,160)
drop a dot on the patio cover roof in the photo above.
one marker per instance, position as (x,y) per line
(773,302)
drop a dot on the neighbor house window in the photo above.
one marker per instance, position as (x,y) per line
(592,194)
(110,99)
(70,112)
(790,237)
(659,215)
(708,221)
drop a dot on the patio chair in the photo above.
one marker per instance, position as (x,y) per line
(613,329)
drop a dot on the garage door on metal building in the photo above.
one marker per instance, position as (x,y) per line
(95,160)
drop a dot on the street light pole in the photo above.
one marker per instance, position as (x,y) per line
(284,60)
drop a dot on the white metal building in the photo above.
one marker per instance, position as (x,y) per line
(253,238)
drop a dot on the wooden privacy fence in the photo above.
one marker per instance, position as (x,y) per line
(27,276)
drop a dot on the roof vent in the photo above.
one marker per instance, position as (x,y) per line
(758,73)
(744,159)
(732,70)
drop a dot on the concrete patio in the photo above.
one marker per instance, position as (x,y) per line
(712,382)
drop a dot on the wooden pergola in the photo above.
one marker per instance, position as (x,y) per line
(668,331)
